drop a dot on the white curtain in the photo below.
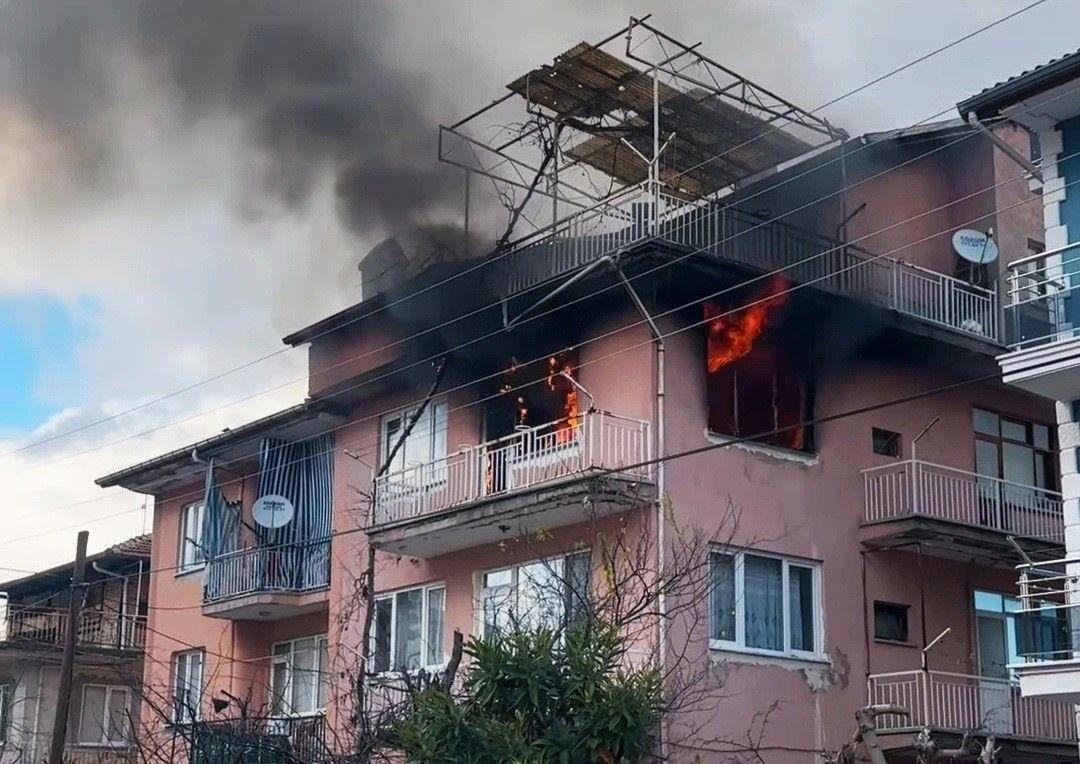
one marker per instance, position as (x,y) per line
(763,583)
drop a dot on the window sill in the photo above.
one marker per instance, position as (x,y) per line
(755,656)
(102,746)
(763,449)
(895,643)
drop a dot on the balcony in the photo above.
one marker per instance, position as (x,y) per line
(1042,321)
(1050,599)
(958,703)
(40,628)
(916,501)
(268,582)
(540,477)
(259,739)
(725,233)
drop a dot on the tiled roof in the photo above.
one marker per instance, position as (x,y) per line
(1044,76)
(133,547)
(136,547)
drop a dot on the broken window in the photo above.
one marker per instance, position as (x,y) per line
(760,395)
(885,442)
(755,387)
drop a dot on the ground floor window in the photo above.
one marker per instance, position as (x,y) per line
(6,692)
(407,631)
(187,685)
(298,676)
(764,602)
(540,594)
(103,715)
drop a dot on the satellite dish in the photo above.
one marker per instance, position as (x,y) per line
(975,246)
(272,511)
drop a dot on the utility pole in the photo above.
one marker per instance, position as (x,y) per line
(67,665)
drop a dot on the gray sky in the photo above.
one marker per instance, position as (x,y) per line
(167,210)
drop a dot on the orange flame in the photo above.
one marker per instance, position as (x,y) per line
(732,336)
(571,416)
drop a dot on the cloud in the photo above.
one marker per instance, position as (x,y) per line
(209,173)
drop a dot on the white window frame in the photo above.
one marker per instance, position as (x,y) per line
(480,618)
(103,726)
(435,409)
(289,662)
(187,657)
(739,643)
(426,590)
(197,559)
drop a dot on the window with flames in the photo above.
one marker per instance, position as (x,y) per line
(754,388)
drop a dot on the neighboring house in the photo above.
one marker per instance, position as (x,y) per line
(854,549)
(1043,342)
(109,658)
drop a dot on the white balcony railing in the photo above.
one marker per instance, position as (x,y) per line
(1040,298)
(294,567)
(524,459)
(962,702)
(716,230)
(921,489)
(46,627)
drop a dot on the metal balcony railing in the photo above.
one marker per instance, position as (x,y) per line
(1050,608)
(525,459)
(45,627)
(728,233)
(293,567)
(259,739)
(962,702)
(1039,298)
(922,489)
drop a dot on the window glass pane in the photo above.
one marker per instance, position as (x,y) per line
(1041,471)
(118,716)
(1018,463)
(764,602)
(577,586)
(381,652)
(988,601)
(433,654)
(498,578)
(986,459)
(279,688)
(801,607)
(1040,436)
(324,672)
(1014,430)
(985,422)
(722,597)
(407,636)
(92,715)
(540,594)
(304,680)
(890,622)
(497,610)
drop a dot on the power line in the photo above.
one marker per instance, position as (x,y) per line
(502,255)
(685,328)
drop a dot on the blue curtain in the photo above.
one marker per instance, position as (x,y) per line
(302,472)
(221,519)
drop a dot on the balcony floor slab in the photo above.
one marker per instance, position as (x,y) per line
(950,540)
(267,606)
(508,516)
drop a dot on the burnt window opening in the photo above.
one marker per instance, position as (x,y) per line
(885,442)
(535,394)
(890,621)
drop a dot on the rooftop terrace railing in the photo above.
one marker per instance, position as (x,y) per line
(1041,304)
(724,232)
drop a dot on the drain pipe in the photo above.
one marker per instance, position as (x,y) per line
(661,467)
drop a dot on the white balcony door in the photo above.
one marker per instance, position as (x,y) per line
(995,691)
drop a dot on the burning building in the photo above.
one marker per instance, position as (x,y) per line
(703,301)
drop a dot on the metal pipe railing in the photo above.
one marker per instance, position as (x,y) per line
(296,567)
(918,488)
(525,458)
(45,626)
(944,700)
